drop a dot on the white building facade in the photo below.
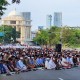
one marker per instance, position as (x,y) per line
(21,23)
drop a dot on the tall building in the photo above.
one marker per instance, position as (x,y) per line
(33,34)
(40,27)
(22,25)
(49,21)
(58,19)
(26,15)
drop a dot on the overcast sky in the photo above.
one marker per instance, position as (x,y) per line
(40,8)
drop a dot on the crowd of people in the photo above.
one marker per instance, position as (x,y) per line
(22,60)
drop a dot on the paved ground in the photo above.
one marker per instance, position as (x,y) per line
(67,74)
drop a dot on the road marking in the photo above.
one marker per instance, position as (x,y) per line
(60,78)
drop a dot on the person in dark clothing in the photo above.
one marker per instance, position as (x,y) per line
(2,69)
(75,61)
(57,64)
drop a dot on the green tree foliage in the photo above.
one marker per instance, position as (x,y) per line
(48,36)
(42,37)
(66,35)
(13,34)
(70,36)
(54,35)
(15,1)
(9,33)
(77,36)
(4,3)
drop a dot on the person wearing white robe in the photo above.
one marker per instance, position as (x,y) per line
(52,65)
(47,63)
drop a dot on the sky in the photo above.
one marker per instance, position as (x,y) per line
(41,8)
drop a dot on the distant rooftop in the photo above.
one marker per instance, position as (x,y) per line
(14,13)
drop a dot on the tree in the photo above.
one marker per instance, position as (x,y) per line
(42,37)
(67,35)
(77,36)
(71,36)
(48,36)
(54,35)
(15,1)
(13,34)
(9,33)
(4,3)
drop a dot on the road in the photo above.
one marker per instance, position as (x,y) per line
(67,74)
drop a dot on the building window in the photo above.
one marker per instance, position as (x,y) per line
(12,22)
(27,22)
(20,22)
(5,22)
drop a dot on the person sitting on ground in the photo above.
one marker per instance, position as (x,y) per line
(29,62)
(2,68)
(70,60)
(20,65)
(64,62)
(10,64)
(47,63)
(58,63)
(75,61)
(52,64)
(6,68)
(39,62)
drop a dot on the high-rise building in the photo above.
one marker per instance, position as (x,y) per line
(49,21)
(40,27)
(58,19)
(26,15)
